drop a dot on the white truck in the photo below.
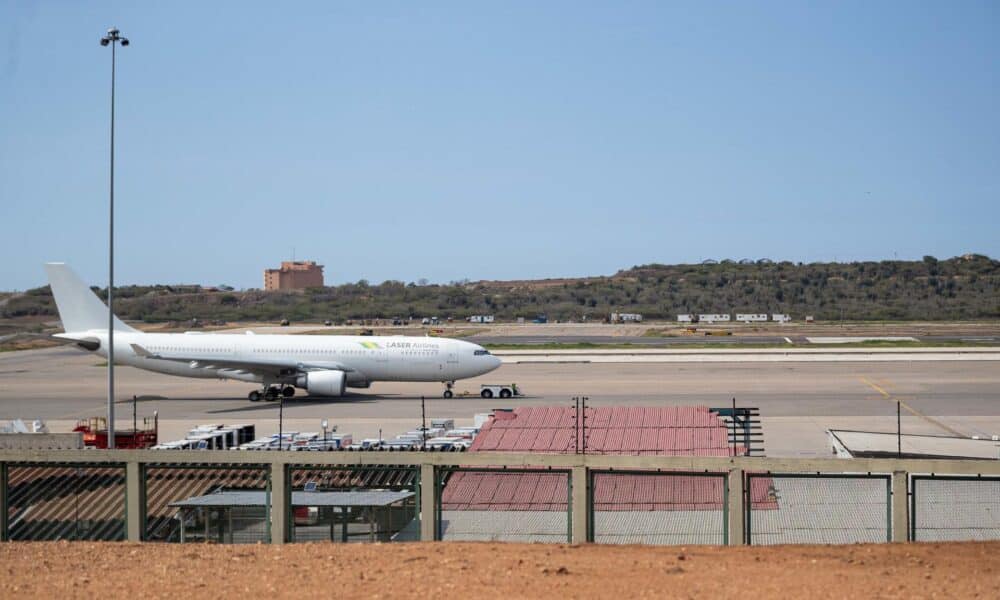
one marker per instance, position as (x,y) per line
(499,390)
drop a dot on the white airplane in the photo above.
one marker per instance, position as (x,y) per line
(323,365)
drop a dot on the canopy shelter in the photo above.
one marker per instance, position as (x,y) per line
(226,514)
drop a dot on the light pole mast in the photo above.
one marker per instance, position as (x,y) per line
(113,38)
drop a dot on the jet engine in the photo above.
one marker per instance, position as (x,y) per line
(323,383)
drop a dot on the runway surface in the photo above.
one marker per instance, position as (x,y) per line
(797,401)
(635,340)
(722,341)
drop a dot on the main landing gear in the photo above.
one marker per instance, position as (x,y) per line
(447,389)
(271,393)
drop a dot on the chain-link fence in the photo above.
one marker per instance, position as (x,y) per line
(354,504)
(643,507)
(199,503)
(954,508)
(649,500)
(510,505)
(65,502)
(818,508)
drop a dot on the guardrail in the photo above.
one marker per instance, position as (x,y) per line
(564,497)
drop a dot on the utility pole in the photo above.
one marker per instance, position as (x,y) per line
(423,425)
(899,433)
(281,422)
(579,423)
(734,425)
(113,38)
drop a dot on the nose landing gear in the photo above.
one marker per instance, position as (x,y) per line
(447,389)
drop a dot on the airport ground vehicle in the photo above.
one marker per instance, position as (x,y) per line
(501,390)
(95,433)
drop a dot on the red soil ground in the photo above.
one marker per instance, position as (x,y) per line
(488,570)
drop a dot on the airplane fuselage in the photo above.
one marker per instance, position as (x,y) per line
(323,365)
(367,358)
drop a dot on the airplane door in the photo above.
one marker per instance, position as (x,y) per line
(451,369)
(381,367)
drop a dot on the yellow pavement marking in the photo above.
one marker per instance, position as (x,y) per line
(876,387)
(887,396)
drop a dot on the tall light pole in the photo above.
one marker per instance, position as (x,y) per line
(113,38)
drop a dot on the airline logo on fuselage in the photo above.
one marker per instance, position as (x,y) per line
(401,345)
(413,345)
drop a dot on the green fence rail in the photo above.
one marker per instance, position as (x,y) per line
(954,508)
(657,507)
(818,508)
(504,504)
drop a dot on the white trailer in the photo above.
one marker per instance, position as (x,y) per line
(685,318)
(626,318)
(751,317)
(713,318)
(444,424)
(780,318)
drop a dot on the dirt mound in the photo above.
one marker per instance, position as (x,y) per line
(488,570)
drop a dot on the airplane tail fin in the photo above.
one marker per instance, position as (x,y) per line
(79,308)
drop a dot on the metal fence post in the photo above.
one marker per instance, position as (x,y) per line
(279,503)
(135,501)
(899,506)
(428,503)
(3,502)
(734,503)
(579,507)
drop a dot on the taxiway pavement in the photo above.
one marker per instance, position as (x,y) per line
(798,401)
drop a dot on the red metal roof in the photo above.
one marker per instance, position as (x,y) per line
(669,431)
(663,431)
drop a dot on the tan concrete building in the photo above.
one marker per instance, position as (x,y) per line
(294,275)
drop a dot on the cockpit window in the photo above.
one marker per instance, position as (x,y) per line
(481,352)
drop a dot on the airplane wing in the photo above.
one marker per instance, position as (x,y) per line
(269,366)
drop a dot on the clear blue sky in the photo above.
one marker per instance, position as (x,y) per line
(495,140)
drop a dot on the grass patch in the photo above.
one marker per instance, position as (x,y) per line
(560,346)
(730,345)
(28,343)
(907,344)
(413,332)
(659,333)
